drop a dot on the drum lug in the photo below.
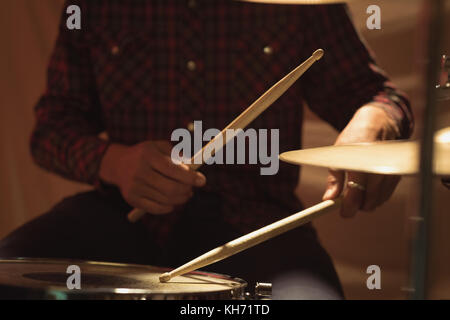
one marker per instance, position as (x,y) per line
(444,79)
(263,291)
(247,296)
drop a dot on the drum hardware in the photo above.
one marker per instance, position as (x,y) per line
(445,73)
(263,291)
(444,85)
(249,114)
(444,92)
(420,243)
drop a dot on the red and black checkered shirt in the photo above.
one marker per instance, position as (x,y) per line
(138,70)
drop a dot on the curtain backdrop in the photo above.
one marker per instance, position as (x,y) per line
(28,29)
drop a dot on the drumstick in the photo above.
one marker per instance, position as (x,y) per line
(250,114)
(254,238)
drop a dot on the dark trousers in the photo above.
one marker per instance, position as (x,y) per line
(93,226)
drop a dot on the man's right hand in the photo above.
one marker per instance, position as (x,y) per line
(147,177)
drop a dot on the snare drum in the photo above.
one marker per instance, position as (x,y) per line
(47,279)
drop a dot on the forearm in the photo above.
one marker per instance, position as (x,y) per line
(65,141)
(77,160)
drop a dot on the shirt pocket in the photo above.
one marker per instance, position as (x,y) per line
(123,66)
(263,54)
(122,62)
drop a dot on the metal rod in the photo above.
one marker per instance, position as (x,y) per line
(419,266)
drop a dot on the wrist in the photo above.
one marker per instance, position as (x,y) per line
(379,117)
(110,164)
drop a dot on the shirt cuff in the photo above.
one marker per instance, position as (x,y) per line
(395,112)
(94,149)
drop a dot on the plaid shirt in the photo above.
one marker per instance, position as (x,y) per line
(137,70)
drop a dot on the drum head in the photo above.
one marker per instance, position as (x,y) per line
(47,279)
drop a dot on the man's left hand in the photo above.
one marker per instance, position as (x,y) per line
(364,191)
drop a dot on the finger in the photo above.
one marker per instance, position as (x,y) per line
(165,185)
(335,184)
(373,189)
(147,191)
(388,188)
(353,197)
(150,206)
(178,172)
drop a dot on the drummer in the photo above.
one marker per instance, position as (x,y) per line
(137,71)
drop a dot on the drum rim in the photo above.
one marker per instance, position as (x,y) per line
(51,292)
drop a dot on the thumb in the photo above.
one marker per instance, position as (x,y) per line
(335,184)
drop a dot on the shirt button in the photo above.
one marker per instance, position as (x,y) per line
(190,126)
(115,50)
(268,50)
(192,3)
(191,65)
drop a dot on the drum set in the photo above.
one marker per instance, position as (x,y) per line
(25,278)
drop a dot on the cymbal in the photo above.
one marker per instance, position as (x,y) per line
(387,157)
(297,1)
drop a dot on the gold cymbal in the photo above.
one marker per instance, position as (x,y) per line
(388,157)
(297,1)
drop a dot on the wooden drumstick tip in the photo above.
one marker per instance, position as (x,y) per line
(164,277)
(318,54)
